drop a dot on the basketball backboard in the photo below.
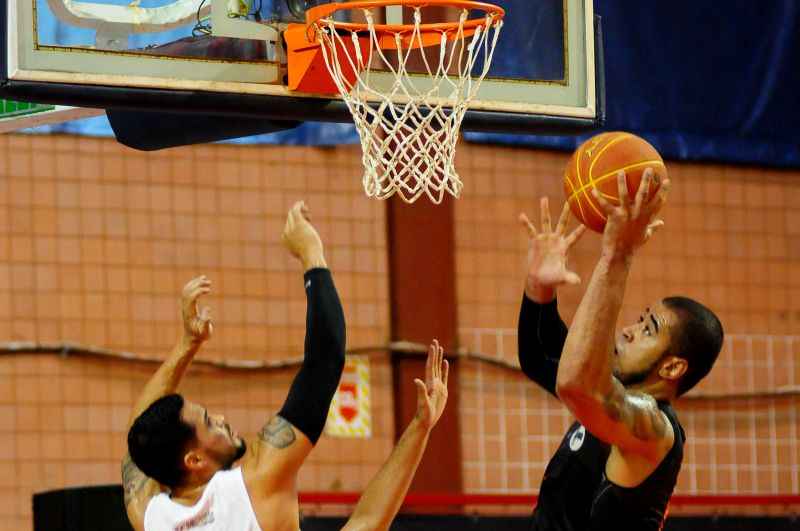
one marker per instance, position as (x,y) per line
(227,57)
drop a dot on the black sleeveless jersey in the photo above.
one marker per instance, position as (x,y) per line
(575,494)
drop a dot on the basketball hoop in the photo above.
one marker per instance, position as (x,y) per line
(408,123)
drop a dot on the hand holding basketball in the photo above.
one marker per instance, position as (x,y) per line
(632,222)
(595,165)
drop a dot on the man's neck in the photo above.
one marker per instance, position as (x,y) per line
(190,493)
(660,390)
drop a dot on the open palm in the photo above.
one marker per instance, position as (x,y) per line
(432,393)
(548,249)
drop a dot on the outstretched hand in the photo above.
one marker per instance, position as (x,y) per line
(547,253)
(432,393)
(197,325)
(631,223)
(301,238)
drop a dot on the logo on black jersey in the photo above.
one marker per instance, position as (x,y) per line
(576,441)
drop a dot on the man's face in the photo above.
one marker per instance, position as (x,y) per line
(640,346)
(217,443)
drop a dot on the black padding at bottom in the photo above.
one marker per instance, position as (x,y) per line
(153,130)
(408,522)
(81,509)
(101,508)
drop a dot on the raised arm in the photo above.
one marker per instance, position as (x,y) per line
(628,420)
(541,332)
(385,493)
(197,328)
(286,440)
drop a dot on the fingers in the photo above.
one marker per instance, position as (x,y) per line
(446,373)
(563,219)
(195,282)
(574,236)
(437,362)
(195,288)
(435,365)
(572,278)
(289,223)
(204,322)
(544,206)
(438,354)
(304,211)
(603,203)
(660,198)
(642,192)
(300,211)
(194,294)
(653,228)
(622,188)
(665,188)
(429,362)
(526,223)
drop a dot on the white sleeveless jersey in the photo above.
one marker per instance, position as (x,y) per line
(224,506)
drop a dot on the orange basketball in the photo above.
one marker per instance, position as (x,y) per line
(595,164)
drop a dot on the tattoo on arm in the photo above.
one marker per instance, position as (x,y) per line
(277,432)
(638,412)
(133,479)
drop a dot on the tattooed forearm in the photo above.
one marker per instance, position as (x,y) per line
(277,432)
(133,479)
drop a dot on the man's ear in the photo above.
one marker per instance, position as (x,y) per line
(673,368)
(192,460)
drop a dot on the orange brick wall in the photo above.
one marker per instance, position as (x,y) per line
(732,240)
(96,241)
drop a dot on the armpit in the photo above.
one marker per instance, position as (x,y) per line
(278,432)
(133,479)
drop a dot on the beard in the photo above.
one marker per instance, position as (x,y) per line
(633,378)
(239,452)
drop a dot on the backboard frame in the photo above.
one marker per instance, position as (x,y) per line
(69,89)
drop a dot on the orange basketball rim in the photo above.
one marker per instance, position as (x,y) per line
(307,71)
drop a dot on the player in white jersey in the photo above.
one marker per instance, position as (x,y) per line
(180,474)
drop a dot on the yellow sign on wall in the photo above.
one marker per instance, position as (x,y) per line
(350,414)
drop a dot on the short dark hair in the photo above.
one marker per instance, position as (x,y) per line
(158,440)
(698,340)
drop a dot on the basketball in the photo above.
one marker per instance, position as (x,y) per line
(595,164)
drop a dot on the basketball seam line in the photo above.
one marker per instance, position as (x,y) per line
(605,148)
(580,187)
(583,187)
(595,182)
(572,196)
(592,181)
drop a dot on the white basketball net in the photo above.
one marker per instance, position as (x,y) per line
(409,124)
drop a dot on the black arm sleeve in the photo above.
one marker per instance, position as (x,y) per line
(309,399)
(541,336)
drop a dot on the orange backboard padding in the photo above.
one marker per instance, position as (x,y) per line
(306,64)
(307,69)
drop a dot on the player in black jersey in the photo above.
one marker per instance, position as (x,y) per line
(618,464)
